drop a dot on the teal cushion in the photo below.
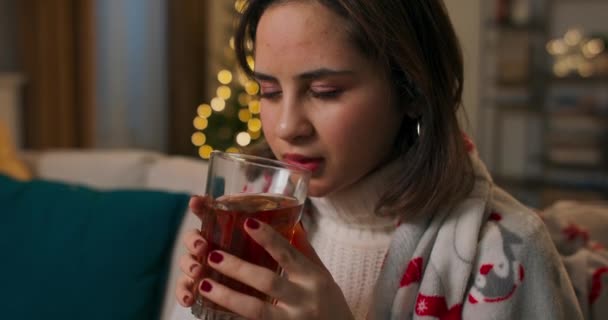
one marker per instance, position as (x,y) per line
(71,252)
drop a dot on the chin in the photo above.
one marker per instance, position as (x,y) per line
(318,188)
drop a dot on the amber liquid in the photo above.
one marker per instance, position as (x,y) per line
(223,228)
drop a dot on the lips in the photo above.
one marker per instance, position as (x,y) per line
(312,164)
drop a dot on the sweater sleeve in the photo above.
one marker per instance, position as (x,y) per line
(518,273)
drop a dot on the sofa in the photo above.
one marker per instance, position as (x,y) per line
(128,170)
(571,225)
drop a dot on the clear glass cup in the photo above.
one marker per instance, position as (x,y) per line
(239,187)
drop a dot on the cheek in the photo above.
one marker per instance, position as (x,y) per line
(269,124)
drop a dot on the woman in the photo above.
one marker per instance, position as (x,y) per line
(404,221)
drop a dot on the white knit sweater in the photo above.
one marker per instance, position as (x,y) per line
(350,239)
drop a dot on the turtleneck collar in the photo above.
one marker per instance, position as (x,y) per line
(355,205)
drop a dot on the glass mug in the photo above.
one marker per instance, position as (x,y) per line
(240,187)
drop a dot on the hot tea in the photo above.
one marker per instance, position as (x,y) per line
(223,228)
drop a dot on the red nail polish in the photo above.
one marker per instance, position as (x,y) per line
(206,286)
(216,257)
(252,223)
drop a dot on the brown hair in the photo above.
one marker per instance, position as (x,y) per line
(416,44)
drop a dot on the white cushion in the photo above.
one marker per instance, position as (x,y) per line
(178,174)
(103,169)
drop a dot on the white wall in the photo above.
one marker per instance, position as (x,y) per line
(466,18)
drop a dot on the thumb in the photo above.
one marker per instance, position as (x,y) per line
(300,242)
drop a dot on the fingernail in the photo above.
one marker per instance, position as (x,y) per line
(198,243)
(186,298)
(252,223)
(216,257)
(206,286)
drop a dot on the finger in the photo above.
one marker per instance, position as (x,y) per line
(184,291)
(290,259)
(190,266)
(197,205)
(242,304)
(257,277)
(300,242)
(195,243)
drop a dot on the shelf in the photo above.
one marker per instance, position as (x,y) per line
(525,28)
(579,80)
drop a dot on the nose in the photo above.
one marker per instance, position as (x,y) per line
(294,124)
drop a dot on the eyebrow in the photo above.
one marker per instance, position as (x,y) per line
(308,75)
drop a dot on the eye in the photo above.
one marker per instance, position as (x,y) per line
(269,95)
(326,93)
(269,90)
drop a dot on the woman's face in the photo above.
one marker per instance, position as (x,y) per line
(325,106)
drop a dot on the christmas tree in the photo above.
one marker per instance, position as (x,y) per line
(230,120)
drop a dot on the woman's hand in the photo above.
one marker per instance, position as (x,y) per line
(189,263)
(307,292)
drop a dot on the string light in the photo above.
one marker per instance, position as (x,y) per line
(224,92)
(200,123)
(198,139)
(574,53)
(254,124)
(255,134)
(254,106)
(218,104)
(239,5)
(246,109)
(204,110)
(250,62)
(244,99)
(244,115)
(252,88)
(205,151)
(224,77)
(243,139)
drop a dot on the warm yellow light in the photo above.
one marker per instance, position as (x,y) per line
(243,78)
(218,104)
(204,110)
(198,139)
(252,87)
(232,150)
(205,151)
(244,115)
(239,5)
(556,47)
(573,37)
(250,62)
(561,69)
(255,135)
(244,99)
(254,106)
(231,42)
(254,124)
(224,77)
(243,139)
(200,123)
(585,69)
(593,48)
(224,92)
